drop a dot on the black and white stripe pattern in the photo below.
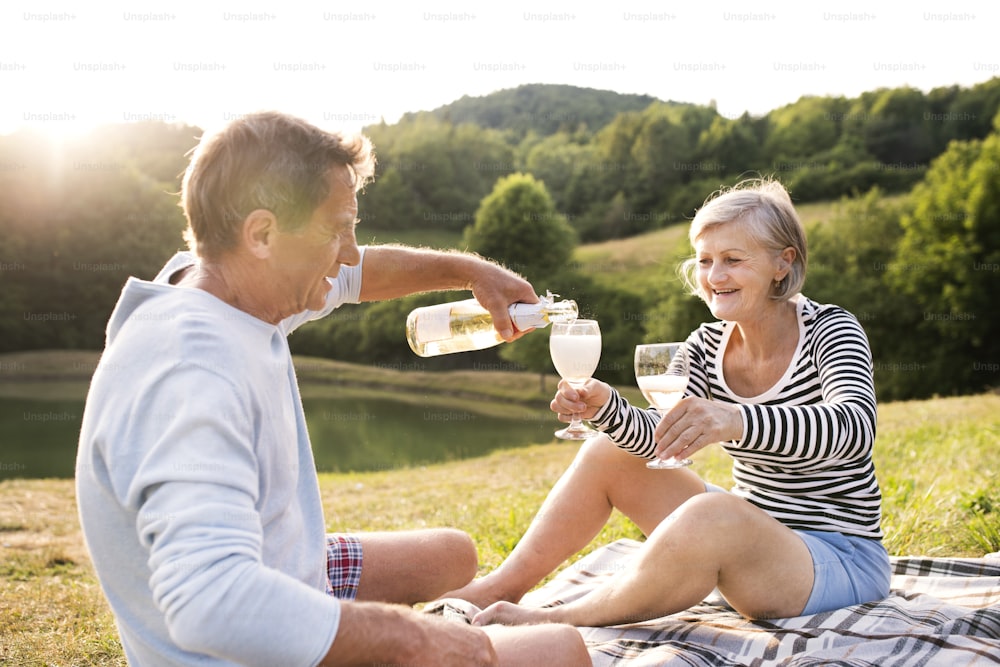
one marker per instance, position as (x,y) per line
(806,454)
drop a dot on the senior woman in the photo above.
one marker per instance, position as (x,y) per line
(785,385)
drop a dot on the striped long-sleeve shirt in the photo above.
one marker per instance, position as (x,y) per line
(805,456)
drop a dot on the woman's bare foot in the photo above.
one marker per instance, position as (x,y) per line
(508,613)
(482,592)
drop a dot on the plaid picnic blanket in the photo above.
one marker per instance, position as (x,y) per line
(940,611)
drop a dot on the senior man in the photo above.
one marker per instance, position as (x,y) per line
(196,484)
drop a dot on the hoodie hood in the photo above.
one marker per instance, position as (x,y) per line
(149,302)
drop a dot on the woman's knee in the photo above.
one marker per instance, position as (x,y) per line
(601,448)
(603,463)
(714,511)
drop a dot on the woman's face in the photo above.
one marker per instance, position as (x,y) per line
(735,273)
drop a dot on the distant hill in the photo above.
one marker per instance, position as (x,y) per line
(544,108)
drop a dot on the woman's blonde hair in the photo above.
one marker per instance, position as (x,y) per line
(764,207)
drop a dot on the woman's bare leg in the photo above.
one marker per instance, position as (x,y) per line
(602,477)
(762,568)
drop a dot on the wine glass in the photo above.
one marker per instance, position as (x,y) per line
(576,349)
(662,371)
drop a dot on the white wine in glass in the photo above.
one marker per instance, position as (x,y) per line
(576,350)
(662,372)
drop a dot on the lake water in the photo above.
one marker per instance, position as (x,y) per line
(38,438)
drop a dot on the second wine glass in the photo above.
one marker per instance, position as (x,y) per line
(576,350)
(662,372)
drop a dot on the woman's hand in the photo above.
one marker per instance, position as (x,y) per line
(695,423)
(584,401)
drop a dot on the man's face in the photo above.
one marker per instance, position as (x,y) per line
(302,261)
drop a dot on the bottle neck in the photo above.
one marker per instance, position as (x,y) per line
(541,314)
(560,311)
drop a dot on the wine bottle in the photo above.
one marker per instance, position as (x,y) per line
(463,326)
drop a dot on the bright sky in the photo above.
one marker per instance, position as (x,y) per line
(67,66)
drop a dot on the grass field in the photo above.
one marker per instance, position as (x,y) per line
(937,462)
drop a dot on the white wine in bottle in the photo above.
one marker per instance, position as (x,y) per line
(463,326)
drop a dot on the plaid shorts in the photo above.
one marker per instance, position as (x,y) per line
(343,565)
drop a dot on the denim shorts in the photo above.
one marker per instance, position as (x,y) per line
(847,569)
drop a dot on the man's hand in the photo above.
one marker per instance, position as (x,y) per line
(496,289)
(376,633)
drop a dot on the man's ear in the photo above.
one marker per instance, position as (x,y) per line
(259,229)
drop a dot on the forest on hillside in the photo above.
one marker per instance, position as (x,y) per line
(77,217)
(652,163)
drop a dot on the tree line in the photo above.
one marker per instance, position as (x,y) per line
(526,175)
(652,163)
